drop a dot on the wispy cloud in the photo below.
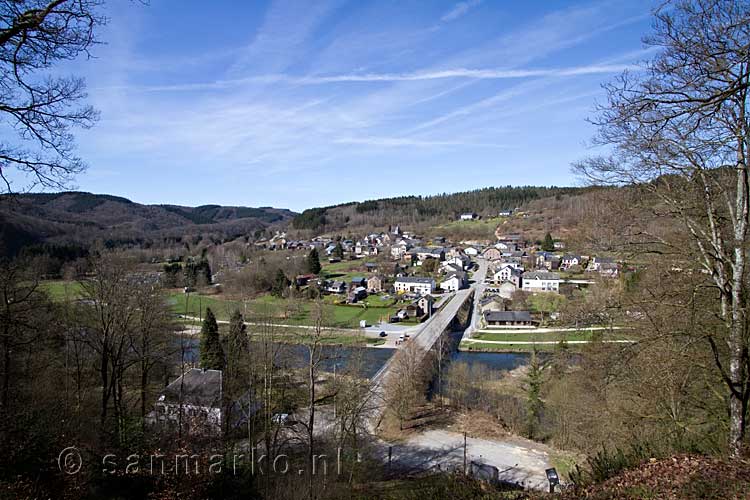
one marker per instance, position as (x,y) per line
(458,73)
(314,89)
(407,142)
(281,39)
(460,9)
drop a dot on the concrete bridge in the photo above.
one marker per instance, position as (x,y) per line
(428,333)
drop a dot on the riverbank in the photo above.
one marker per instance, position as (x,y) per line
(295,334)
(500,346)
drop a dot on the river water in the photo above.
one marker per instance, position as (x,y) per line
(367,361)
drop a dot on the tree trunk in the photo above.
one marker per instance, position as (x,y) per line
(311,424)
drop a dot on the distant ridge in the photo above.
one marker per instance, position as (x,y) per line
(423,210)
(75,217)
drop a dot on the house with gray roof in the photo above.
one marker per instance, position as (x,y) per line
(508,318)
(406,284)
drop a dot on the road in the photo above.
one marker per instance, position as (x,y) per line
(479,285)
(518,461)
(543,342)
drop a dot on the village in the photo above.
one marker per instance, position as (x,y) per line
(421,273)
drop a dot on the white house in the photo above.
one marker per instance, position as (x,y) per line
(422,286)
(336,287)
(425,304)
(570,260)
(423,253)
(195,401)
(596,263)
(469,216)
(541,281)
(452,283)
(510,274)
(471,251)
(462,261)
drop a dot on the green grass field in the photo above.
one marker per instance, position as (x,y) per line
(479,228)
(282,311)
(522,336)
(530,337)
(486,347)
(60,290)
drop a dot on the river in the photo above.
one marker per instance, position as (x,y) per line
(367,361)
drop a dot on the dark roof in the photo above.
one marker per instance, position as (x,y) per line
(414,279)
(199,387)
(429,250)
(542,275)
(508,316)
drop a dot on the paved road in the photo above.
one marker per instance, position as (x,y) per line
(531,329)
(479,286)
(548,342)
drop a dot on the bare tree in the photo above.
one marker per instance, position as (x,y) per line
(112,314)
(41,109)
(680,129)
(151,341)
(21,311)
(406,384)
(316,356)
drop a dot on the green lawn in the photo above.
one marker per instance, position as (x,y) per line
(60,290)
(481,346)
(282,311)
(195,304)
(522,336)
(529,337)
(344,270)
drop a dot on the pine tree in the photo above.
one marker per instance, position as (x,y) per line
(211,352)
(533,395)
(549,244)
(338,251)
(313,261)
(280,284)
(237,346)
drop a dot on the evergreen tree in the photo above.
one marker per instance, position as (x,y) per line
(533,395)
(280,284)
(313,261)
(237,346)
(212,354)
(338,251)
(549,244)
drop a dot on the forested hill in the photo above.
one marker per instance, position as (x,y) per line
(419,211)
(81,218)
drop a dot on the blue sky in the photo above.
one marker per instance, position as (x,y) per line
(301,104)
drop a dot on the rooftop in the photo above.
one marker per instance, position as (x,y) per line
(512,316)
(198,387)
(414,279)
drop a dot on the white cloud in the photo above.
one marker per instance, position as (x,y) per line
(460,9)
